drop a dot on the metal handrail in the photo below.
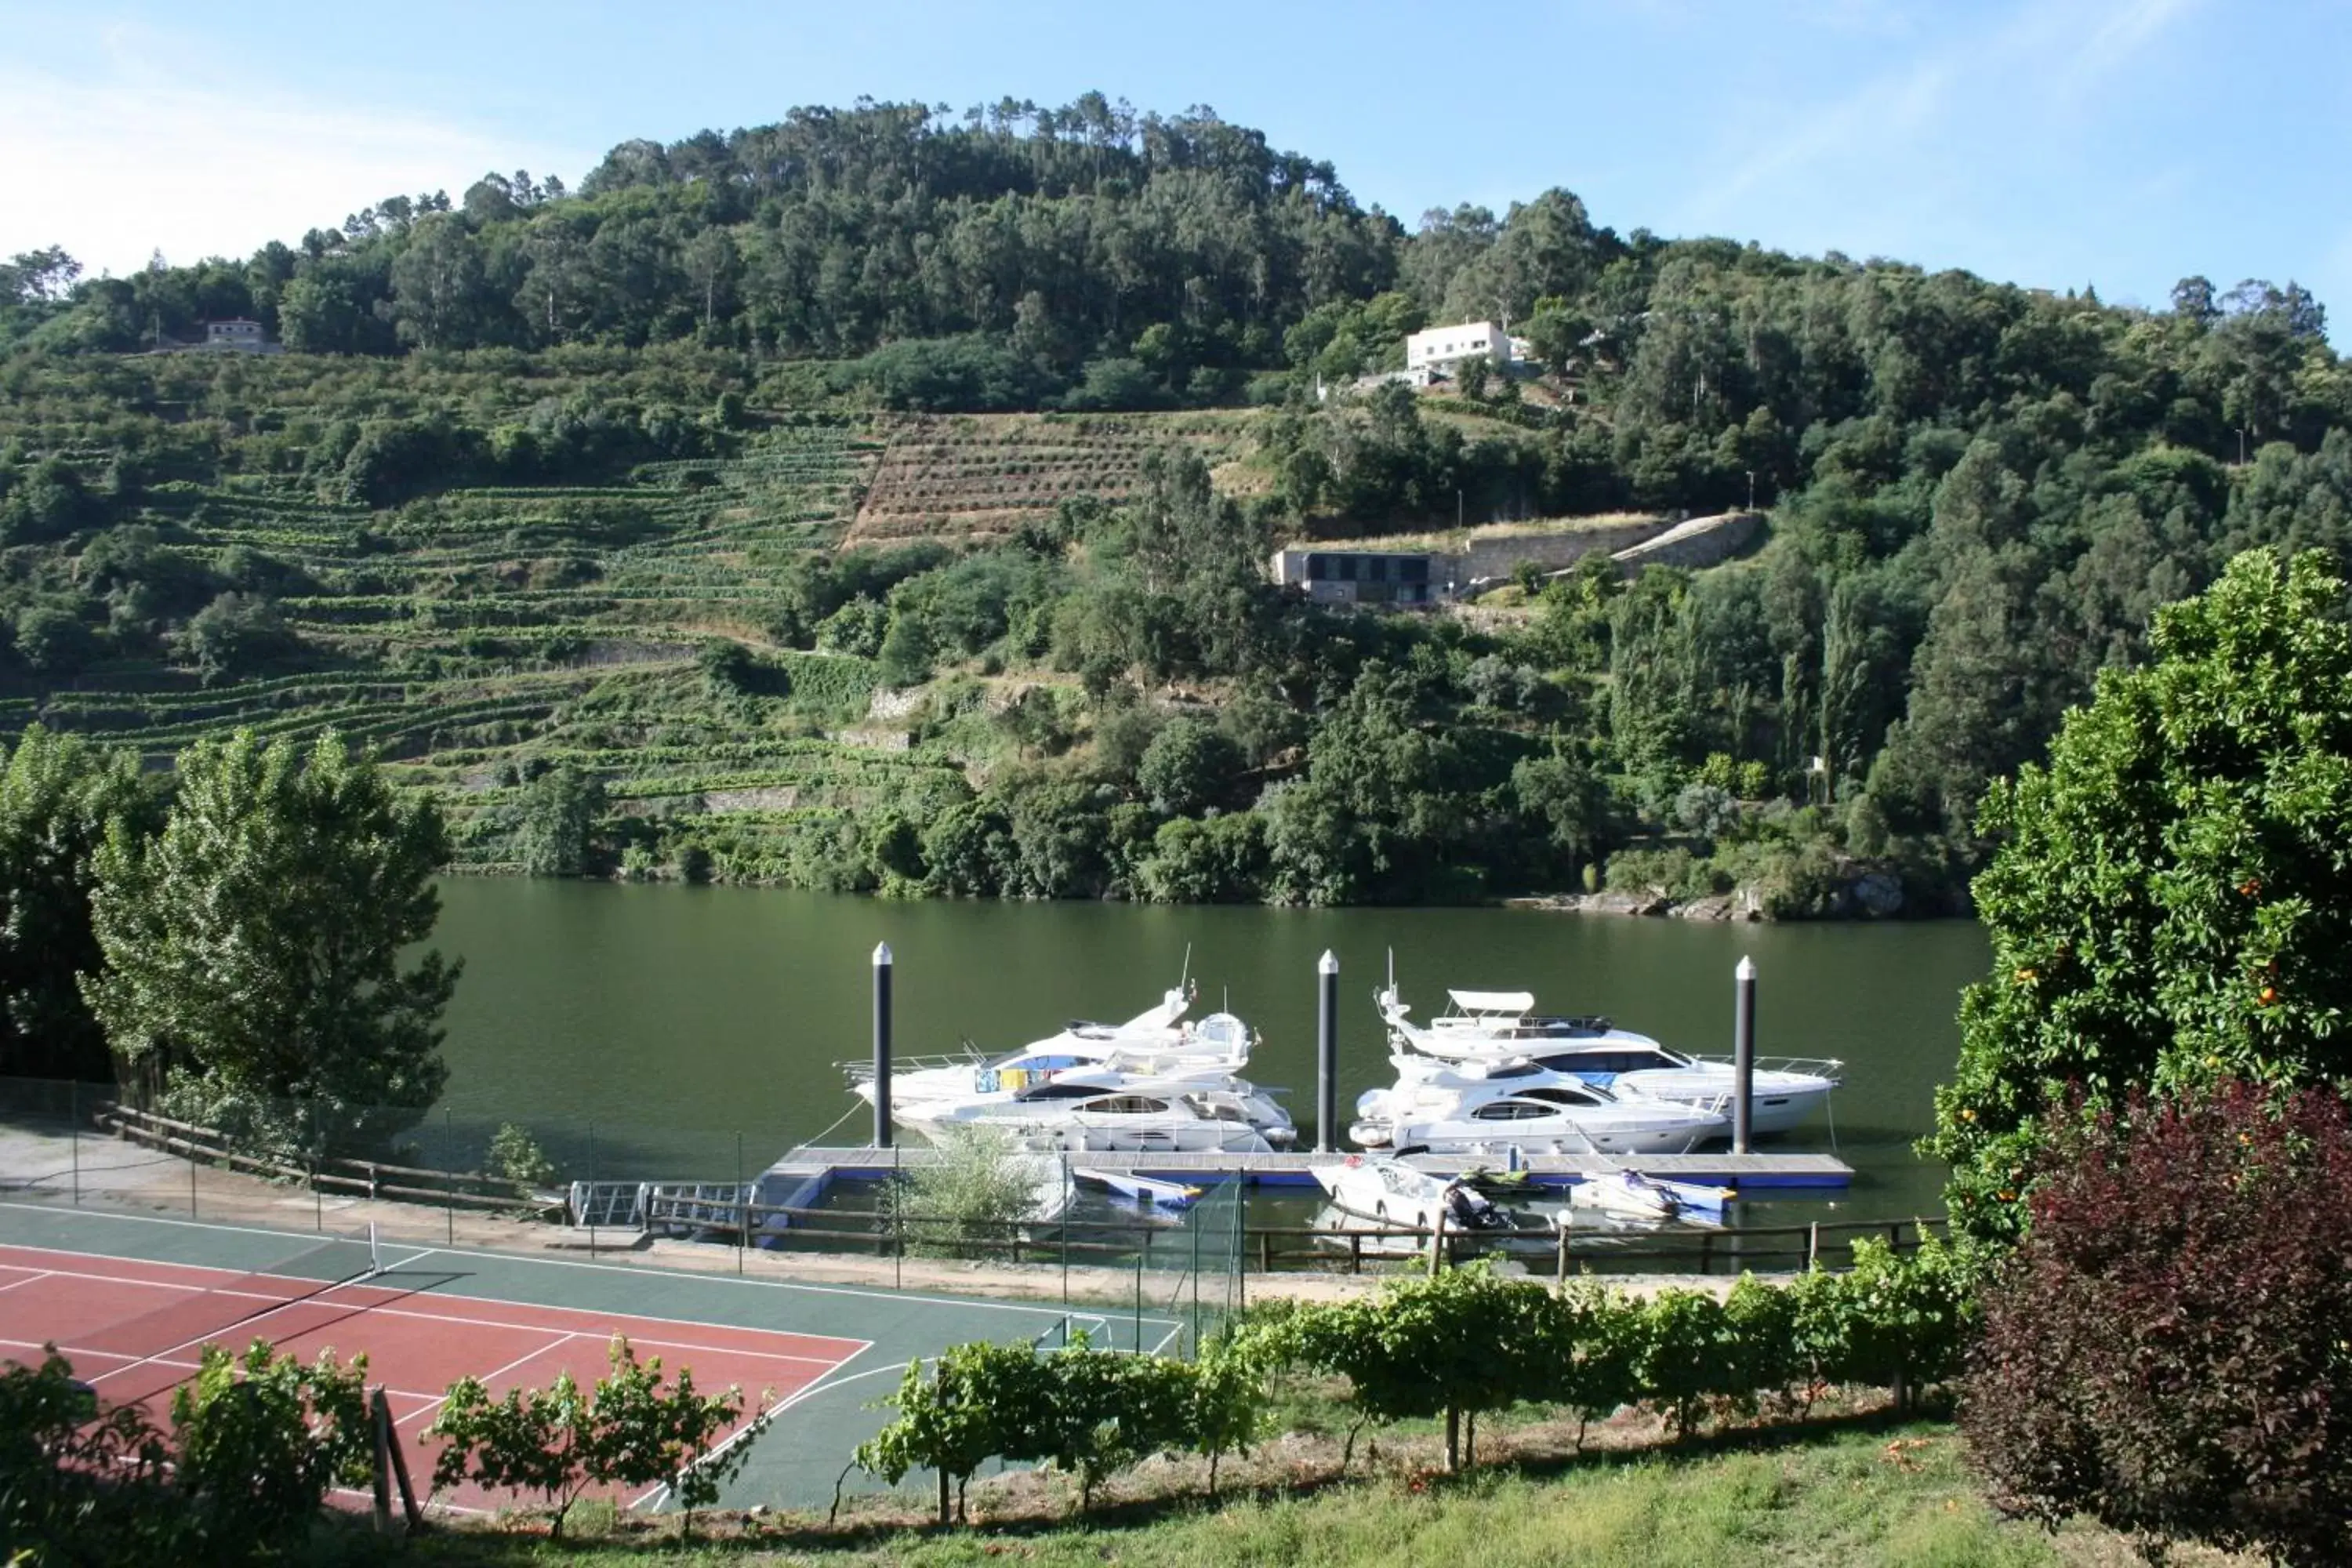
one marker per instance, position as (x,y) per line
(1818,1067)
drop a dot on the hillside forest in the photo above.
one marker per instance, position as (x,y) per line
(881,500)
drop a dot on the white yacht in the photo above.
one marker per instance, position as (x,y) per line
(1155,1041)
(1497,1027)
(1448,1107)
(1105,1109)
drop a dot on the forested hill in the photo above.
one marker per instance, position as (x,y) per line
(649,489)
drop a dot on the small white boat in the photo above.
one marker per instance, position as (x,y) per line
(1150,1190)
(1379,1188)
(1630,1195)
(1496,1026)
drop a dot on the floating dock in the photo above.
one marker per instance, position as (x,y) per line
(1743,1173)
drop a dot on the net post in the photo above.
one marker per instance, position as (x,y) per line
(380,1427)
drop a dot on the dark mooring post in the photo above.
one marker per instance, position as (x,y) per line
(1326,1054)
(881,1045)
(1743,1054)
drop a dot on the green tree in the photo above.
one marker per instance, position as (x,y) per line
(60,798)
(1188,767)
(254,950)
(560,809)
(2170,903)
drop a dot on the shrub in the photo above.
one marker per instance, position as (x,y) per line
(516,1156)
(2166,1350)
(78,1484)
(258,1439)
(627,1431)
(979,1188)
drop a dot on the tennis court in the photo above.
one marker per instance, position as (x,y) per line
(130,1300)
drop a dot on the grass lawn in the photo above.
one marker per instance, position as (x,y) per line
(1893,1494)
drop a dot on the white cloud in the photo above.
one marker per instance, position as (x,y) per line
(1912,137)
(197,163)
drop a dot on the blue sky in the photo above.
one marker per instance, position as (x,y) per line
(2123,143)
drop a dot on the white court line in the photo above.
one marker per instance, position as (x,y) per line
(331,1298)
(508,1258)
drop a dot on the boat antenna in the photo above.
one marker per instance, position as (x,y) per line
(1393,969)
(1184,975)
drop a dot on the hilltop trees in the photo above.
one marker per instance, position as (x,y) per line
(2170,903)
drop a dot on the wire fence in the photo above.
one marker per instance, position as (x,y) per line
(608,1189)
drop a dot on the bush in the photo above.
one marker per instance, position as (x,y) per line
(627,1431)
(963,1205)
(2165,1350)
(516,1156)
(258,1439)
(79,1485)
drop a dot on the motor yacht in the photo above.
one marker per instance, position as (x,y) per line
(1105,1109)
(1479,1107)
(1496,1026)
(1155,1041)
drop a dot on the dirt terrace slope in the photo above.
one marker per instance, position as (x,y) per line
(980,474)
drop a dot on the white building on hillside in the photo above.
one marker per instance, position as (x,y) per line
(1438,350)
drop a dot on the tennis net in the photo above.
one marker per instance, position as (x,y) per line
(133,1358)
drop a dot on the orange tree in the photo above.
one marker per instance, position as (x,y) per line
(2171,901)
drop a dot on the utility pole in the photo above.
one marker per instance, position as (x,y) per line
(1751,489)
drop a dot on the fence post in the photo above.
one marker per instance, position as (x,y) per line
(1138,1303)
(743,1208)
(898,1225)
(73,1133)
(190,1145)
(1813,1246)
(591,1187)
(1706,1252)
(450,1172)
(1559,1276)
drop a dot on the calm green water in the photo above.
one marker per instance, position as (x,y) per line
(646,1029)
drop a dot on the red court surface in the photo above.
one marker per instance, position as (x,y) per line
(132,1330)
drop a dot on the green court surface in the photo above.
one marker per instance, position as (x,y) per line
(456,1308)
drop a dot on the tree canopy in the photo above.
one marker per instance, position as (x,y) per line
(256,952)
(2171,899)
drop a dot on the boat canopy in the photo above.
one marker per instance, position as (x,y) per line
(1511,1002)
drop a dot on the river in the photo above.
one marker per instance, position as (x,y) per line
(653,1030)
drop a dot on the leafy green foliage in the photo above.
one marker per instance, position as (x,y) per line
(2165,1350)
(630,1430)
(78,1484)
(257,1440)
(60,798)
(514,1155)
(2168,905)
(964,1204)
(1462,1342)
(254,950)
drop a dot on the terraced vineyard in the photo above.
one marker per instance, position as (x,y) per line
(481,635)
(988,473)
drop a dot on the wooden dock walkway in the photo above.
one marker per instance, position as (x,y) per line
(1746,1173)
